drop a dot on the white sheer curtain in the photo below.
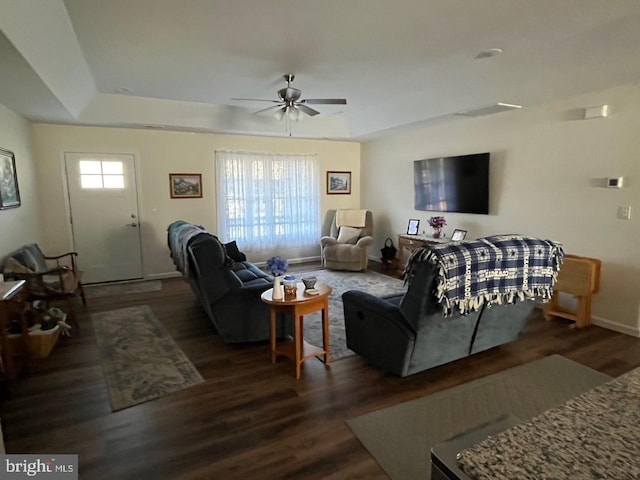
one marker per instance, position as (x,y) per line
(266,200)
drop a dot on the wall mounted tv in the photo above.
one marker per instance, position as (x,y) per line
(452,184)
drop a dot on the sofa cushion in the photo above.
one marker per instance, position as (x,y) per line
(247,272)
(31,257)
(11,265)
(348,235)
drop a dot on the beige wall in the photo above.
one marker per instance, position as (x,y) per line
(158,153)
(547,169)
(19,225)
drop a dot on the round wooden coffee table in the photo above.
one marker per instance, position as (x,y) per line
(297,306)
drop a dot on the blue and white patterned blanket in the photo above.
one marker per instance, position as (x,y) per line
(492,270)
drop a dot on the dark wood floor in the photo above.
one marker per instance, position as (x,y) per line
(249,419)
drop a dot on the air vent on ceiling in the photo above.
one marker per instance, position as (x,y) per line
(489,110)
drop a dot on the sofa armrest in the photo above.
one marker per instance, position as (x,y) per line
(328,241)
(375,309)
(377,330)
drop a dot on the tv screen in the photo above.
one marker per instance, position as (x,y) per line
(452,184)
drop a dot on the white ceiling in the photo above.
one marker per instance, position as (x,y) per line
(398,62)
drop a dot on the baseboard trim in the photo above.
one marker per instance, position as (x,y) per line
(616,326)
(292,260)
(160,276)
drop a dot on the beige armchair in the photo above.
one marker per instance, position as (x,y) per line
(344,246)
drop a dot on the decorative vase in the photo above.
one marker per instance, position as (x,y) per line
(277,288)
(437,232)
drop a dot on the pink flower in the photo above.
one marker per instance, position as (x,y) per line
(437,222)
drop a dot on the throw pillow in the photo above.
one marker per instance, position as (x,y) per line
(232,251)
(348,235)
(14,266)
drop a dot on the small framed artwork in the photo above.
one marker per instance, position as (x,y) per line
(338,183)
(9,191)
(412,228)
(185,185)
(458,235)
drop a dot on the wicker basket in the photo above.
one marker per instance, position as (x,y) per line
(38,345)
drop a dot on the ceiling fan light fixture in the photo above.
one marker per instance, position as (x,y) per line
(294,114)
(280,113)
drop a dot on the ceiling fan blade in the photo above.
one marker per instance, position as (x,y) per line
(309,111)
(257,100)
(325,101)
(269,109)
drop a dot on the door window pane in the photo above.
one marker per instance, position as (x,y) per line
(101,174)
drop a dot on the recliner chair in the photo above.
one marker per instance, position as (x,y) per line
(345,247)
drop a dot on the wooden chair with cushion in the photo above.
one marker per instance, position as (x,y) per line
(46,282)
(578,277)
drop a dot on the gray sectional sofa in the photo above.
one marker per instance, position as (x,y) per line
(409,333)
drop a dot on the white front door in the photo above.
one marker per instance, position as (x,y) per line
(103,200)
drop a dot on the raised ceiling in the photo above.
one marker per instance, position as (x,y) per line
(178,64)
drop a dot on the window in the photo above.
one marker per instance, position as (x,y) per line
(101,174)
(266,201)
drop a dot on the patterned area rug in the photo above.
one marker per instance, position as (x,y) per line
(366,281)
(400,437)
(139,359)
(95,291)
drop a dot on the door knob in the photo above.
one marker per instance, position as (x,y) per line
(132,224)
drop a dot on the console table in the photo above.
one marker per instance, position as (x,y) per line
(411,243)
(13,296)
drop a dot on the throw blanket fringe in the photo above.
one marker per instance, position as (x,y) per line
(502,269)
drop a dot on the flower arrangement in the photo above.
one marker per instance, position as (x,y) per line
(437,222)
(277,266)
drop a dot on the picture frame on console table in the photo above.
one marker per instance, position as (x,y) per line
(458,235)
(338,183)
(414,225)
(185,185)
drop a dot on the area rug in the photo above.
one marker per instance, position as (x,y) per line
(95,291)
(400,437)
(365,281)
(139,358)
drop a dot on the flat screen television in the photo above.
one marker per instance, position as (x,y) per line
(452,184)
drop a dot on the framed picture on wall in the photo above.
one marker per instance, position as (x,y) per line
(185,185)
(338,183)
(9,191)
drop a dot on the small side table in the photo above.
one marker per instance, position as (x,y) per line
(297,306)
(13,296)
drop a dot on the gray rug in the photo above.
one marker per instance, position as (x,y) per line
(139,359)
(366,281)
(95,291)
(400,437)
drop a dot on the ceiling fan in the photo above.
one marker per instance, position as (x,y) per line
(290,105)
